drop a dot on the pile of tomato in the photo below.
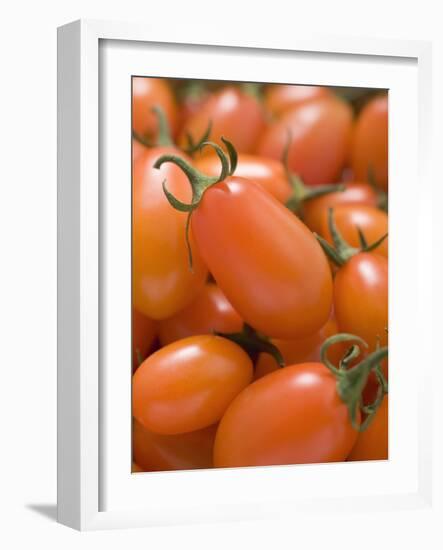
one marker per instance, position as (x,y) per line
(260,274)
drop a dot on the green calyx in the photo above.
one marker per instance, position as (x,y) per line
(164,134)
(351,380)
(199,181)
(254,89)
(254,343)
(301,193)
(342,252)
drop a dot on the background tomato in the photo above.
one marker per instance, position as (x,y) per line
(292,416)
(320,132)
(315,211)
(163,282)
(348,218)
(369,150)
(278,98)
(188,384)
(234,114)
(268,173)
(155,452)
(209,312)
(146,94)
(372,444)
(143,335)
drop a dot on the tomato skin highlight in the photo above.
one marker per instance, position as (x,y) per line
(156,453)
(315,211)
(268,173)
(209,312)
(372,221)
(146,94)
(320,132)
(266,261)
(162,280)
(369,149)
(188,385)
(234,114)
(278,98)
(372,444)
(361,298)
(291,416)
(144,331)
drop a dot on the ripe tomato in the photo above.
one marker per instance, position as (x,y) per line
(136,468)
(268,173)
(156,452)
(372,444)
(188,384)
(369,149)
(278,98)
(300,350)
(209,312)
(143,335)
(138,150)
(291,416)
(163,283)
(265,260)
(234,114)
(315,211)
(348,218)
(361,298)
(146,94)
(320,133)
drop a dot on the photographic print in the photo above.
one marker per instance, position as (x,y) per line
(259,274)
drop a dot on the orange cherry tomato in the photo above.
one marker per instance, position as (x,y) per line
(138,150)
(348,218)
(369,149)
(278,98)
(163,283)
(320,133)
(209,312)
(301,350)
(188,385)
(268,173)
(146,94)
(372,444)
(143,335)
(234,114)
(315,211)
(157,452)
(266,261)
(291,416)
(361,298)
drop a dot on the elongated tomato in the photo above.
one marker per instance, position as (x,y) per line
(143,335)
(291,416)
(268,173)
(162,281)
(278,98)
(266,261)
(155,452)
(209,312)
(188,385)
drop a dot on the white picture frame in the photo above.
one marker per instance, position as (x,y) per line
(95,487)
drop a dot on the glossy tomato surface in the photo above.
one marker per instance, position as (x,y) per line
(278,98)
(146,94)
(266,261)
(143,334)
(372,444)
(320,134)
(348,218)
(188,385)
(369,150)
(209,312)
(163,282)
(234,114)
(268,173)
(315,211)
(292,416)
(361,298)
(155,452)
